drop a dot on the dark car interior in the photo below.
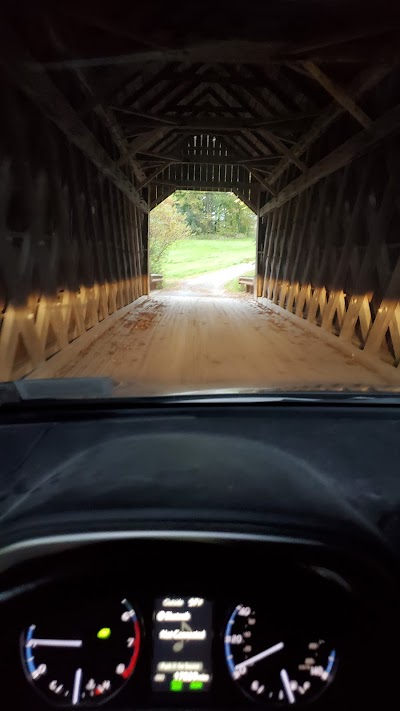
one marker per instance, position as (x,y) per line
(165,538)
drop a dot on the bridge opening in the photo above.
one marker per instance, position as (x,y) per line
(202,243)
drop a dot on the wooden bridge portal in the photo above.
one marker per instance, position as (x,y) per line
(106,111)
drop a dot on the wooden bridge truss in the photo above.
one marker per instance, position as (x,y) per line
(303,126)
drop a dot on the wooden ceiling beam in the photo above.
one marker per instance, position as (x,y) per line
(338,93)
(245,137)
(108,118)
(153,175)
(36,84)
(160,198)
(290,87)
(258,176)
(274,140)
(206,107)
(108,87)
(365,81)
(265,108)
(232,51)
(174,93)
(263,182)
(249,203)
(277,143)
(206,159)
(151,118)
(211,123)
(104,113)
(140,143)
(213,77)
(169,142)
(151,76)
(353,148)
(196,184)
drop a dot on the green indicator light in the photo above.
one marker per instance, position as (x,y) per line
(176,685)
(196,685)
(104,633)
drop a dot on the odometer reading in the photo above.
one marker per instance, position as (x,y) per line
(275,662)
(83,655)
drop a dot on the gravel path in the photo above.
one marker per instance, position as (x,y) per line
(209,284)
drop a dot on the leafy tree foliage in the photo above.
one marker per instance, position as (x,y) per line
(222,214)
(167,225)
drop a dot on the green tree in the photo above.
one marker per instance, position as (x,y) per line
(167,225)
(222,214)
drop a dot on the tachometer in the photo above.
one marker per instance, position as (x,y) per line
(83,654)
(275,662)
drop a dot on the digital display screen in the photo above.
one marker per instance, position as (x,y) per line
(182,644)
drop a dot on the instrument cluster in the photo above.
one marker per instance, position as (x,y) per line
(190,626)
(86,649)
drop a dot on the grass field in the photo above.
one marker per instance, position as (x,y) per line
(192,257)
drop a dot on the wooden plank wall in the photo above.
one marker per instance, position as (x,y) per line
(331,254)
(72,245)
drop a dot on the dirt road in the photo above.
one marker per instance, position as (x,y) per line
(211,283)
(169,343)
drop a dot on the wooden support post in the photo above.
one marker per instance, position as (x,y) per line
(268,242)
(260,238)
(145,243)
(276,267)
(330,229)
(351,226)
(288,257)
(315,231)
(294,274)
(276,239)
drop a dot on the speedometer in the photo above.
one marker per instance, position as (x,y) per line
(276,662)
(82,654)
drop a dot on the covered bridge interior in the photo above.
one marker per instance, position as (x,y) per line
(107,109)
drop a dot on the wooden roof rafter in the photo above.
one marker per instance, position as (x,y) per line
(152,75)
(107,116)
(338,93)
(245,137)
(269,135)
(363,82)
(39,87)
(341,156)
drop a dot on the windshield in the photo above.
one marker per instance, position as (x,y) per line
(199,208)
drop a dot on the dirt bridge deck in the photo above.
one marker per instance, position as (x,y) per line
(169,343)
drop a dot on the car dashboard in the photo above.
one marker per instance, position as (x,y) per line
(185,563)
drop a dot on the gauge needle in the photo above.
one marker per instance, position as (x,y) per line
(286,686)
(54,643)
(257,657)
(76,691)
